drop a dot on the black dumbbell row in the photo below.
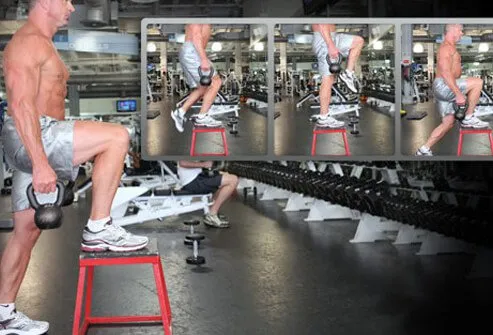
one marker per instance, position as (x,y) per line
(372,197)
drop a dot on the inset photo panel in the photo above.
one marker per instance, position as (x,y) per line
(334,90)
(206,90)
(447,89)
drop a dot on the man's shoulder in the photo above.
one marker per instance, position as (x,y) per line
(447,48)
(29,41)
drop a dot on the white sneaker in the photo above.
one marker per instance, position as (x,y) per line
(214,221)
(20,324)
(423,152)
(179,119)
(207,121)
(474,122)
(329,121)
(112,238)
(350,80)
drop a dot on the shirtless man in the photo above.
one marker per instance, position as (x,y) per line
(42,148)
(448,86)
(327,42)
(193,56)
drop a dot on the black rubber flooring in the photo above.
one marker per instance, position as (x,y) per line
(270,273)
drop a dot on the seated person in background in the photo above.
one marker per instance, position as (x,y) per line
(223,185)
(448,87)
(326,41)
(192,56)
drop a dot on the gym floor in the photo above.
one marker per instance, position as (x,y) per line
(293,132)
(162,138)
(270,273)
(416,132)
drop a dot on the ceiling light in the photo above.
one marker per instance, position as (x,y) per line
(378,45)
(151,47)
(418,48)
(216,46)
(483,47)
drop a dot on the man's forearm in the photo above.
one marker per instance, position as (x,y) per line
(199,46)
(29,130)
(451,82)
(327,38)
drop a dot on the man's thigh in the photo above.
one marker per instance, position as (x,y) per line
(58,143)
(57,137)
(190,63)
(204,185)
(442,92)
(344,42)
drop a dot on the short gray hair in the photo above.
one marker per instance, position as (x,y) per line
(449,26)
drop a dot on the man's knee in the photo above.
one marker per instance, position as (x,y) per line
(121,137)
(358,42)
(478,82)
(475,83)
(24,227)
(448,122)
(229,179)
(216,82)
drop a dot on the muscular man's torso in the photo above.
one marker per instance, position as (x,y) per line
(53,74)
(320,27)
(455,59)
(205,31)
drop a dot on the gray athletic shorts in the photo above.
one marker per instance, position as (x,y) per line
(444,96)
(190,62)
(343,42)
(57,137)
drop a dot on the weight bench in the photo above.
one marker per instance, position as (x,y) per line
(340,104)
(165,203)
(221,105)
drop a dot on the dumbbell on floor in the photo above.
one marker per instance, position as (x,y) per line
(195,259)
(353,123)
(191,224)
(233,123)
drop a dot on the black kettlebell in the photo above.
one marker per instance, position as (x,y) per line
(460,110)
(205,80)
(334,67)
(49,215)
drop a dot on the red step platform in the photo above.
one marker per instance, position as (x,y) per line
(87,263)
(464,131)
(198,130)
(326,130)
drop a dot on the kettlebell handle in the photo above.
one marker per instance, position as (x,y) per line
(338,60)
(202,73)
(34,201)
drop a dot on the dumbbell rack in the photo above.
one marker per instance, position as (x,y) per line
(399,218)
